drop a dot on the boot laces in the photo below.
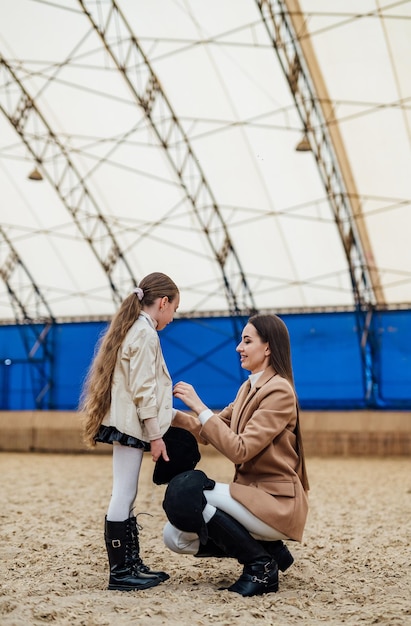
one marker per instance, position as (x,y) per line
(137,561)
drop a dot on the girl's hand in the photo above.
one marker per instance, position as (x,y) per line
(187,393)
(158,448)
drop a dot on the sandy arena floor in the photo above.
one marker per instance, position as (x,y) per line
(353,566)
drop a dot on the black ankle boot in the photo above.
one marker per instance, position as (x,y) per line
(257,578)
(124,575)
(139,565)
(260,573)
(280,553)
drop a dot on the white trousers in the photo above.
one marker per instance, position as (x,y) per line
(219,498)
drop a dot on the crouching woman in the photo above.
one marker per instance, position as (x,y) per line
(266,502)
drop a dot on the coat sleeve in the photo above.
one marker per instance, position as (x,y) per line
(191,423)
(272,410)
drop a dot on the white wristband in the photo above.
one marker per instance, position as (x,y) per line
(205,415)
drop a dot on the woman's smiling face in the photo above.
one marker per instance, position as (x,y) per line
(254,353)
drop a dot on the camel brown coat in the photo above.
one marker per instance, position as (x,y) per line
(256,432)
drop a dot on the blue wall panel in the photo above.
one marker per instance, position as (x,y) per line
(395,361)
(76,345)
(202,352)
(16,390)
(326,360)
(325,352)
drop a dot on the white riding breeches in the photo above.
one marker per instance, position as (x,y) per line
(219,498)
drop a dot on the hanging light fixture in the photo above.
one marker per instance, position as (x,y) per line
(303,145)
(35,175)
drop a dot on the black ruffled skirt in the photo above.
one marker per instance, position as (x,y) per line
(109,434)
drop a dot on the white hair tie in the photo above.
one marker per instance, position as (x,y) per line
(139,293)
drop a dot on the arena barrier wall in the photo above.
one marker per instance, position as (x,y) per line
(327,362)
(345,433)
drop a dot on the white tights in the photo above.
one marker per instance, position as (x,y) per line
(219,498)
(126,471)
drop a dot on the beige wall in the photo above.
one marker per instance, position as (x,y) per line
(347,433)
(353,433)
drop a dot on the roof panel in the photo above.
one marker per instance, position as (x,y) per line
(230,168)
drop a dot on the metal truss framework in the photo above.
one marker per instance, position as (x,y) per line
(129,58)
(284,23)
(56,165)
(32,314)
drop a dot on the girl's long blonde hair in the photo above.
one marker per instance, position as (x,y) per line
(96,395)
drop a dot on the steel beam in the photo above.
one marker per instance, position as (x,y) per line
(284,22)
(57,167)
(124,49)
(34,320)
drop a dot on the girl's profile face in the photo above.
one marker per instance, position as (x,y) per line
(167,311)
(254,353)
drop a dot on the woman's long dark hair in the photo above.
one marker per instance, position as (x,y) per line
(271,329)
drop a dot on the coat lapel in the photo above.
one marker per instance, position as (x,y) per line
(245,394)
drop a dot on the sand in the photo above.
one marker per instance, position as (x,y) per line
(353,566)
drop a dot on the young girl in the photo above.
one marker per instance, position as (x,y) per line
(127,402)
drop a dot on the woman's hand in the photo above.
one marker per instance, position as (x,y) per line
(187,393)
(158,448)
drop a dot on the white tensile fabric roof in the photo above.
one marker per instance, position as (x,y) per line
(221,78)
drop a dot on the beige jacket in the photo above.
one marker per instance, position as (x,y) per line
(256,433)
(141,386)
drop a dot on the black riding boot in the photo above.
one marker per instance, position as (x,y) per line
(139,565)
(277,549)
(280,553)
(124,575)
(210,549)
(260,572)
